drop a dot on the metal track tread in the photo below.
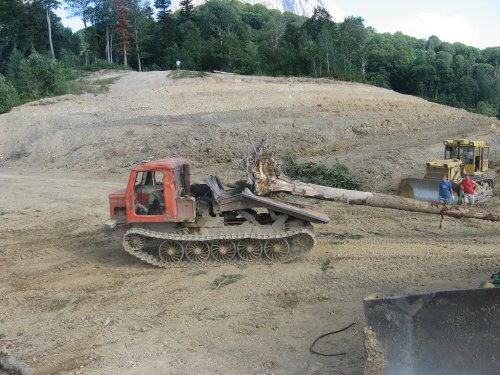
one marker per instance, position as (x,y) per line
(296,248)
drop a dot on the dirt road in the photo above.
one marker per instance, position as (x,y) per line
(72,302)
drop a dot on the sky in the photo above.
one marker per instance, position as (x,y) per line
(474,23)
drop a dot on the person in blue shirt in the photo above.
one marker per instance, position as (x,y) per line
(445,191)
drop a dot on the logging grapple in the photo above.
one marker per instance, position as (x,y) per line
(461,157)
(168,222)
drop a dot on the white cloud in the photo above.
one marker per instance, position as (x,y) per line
(75,23)
(449,28)
(331,6)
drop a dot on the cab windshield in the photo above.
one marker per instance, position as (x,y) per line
(149,199)
(452,152)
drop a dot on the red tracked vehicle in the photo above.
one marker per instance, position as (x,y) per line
(169,222)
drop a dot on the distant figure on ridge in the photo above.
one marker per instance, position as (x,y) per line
(178,64)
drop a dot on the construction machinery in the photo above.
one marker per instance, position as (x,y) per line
(461,157)
(168,222)
(442,332)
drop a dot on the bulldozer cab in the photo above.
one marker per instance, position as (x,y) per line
(159,192)
(473,155)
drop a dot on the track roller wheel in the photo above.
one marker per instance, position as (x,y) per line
(276,249)
(135,241)
(223,250)
(171,252)
(249,249)
(197,251)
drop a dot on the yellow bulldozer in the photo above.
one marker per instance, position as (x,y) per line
(461,157)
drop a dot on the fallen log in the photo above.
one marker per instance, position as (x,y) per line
(298,188)
(266,176)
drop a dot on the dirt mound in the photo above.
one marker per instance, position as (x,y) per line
(380,134)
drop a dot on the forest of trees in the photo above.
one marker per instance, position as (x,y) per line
(38,55)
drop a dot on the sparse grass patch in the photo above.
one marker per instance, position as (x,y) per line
(222,315)
(224,280)
(198,272)
(180,74)
(98,86)
(343,236)
(103,84)
(347,236)
(325,265)
(162,312)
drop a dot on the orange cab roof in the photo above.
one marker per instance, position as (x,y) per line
(166,163)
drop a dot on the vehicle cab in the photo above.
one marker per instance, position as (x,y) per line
(157,191)
(473,154)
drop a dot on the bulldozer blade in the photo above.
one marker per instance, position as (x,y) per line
(437,333)
(421,189)
(428,190)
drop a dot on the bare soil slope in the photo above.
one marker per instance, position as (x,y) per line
(72,302)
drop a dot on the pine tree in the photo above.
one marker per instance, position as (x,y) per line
(186,11)
(163,7)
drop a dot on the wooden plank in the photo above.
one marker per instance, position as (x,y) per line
(306,214)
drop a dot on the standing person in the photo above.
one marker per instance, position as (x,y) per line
(445,191)
(178,64)
(468,186)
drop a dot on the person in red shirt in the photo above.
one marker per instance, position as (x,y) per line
(468,186)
